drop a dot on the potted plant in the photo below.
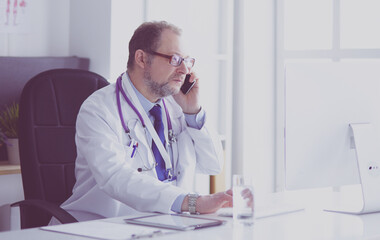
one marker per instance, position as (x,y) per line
(9,127)
(3,138)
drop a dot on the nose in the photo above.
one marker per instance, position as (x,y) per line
(183,68)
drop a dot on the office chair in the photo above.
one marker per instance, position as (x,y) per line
(49,106)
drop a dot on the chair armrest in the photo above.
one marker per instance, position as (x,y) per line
(59,213)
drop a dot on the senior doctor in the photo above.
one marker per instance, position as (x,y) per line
(141,140)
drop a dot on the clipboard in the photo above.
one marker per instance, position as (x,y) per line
(99,229)
(175,221)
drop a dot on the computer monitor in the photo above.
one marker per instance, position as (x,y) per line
(322,99)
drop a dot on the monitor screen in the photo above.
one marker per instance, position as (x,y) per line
(321,100)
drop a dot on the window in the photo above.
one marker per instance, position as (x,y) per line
(324,30)
(360,24)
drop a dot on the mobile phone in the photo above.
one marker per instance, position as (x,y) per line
(187,85)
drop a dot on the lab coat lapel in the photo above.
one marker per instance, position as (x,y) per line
(138,133)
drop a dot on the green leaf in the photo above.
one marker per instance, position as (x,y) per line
(9,120)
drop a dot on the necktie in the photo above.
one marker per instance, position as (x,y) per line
(159,127)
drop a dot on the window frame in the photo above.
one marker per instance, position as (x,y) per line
(336,54)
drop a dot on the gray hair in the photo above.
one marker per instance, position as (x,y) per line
(147,38)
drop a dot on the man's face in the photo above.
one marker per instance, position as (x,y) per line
(162,78)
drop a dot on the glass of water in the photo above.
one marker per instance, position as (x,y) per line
(243,209)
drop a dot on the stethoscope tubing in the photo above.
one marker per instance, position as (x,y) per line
(119,89)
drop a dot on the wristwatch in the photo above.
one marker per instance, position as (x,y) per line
(193,197)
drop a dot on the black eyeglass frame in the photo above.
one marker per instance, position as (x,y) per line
(187,61)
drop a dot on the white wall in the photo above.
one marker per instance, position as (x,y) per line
(48,34)
(78,27)
(259,94)
(90,25)
(101,31)
(126,16)
(11,191)
(11,188)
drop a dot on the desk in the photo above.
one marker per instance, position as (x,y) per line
(6,168)
(311,223)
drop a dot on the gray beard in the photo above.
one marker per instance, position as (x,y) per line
(159,90)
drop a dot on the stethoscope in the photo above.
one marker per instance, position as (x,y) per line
(172,138)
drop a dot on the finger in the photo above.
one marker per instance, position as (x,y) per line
(227,200)
(247,193)
(248,196)
(193,77)
(226,205)
(229,192)
(250,203)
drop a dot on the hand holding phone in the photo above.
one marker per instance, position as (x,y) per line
(188,98)
(187,85)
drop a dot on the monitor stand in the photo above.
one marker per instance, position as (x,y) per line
(368,159)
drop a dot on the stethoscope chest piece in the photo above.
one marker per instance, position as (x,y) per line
(172,137)
(131,124)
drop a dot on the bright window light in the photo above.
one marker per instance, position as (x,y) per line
(360,24)
(307,24)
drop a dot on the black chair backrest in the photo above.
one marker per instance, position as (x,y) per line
(49,106)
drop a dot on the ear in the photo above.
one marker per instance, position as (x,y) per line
(140,58)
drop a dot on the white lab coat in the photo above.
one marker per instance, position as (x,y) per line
(107,181)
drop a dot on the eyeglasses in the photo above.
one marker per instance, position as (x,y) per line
(176,60)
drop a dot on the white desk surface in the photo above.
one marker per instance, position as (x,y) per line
(311,223)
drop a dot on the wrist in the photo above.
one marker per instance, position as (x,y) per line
(192,111)
(190,203)
(193,198)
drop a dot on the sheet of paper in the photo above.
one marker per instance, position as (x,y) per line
(106,230)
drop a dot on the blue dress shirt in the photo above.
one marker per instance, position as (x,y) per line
(193,120)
